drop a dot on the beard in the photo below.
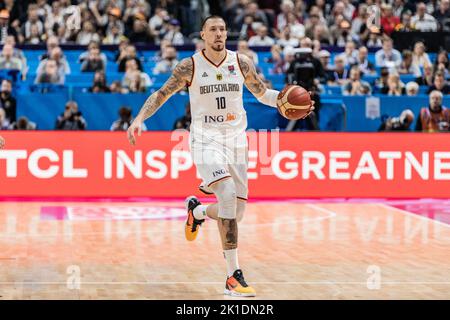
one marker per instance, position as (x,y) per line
(217,47)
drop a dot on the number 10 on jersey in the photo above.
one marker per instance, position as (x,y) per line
(221,103)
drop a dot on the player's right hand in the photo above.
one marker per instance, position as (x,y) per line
(2,142)
(135,125)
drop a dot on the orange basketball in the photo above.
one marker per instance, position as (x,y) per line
(294,102)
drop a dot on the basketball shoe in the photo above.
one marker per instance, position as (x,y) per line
(192,225)
(237,287)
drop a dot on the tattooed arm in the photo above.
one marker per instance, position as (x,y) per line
(181,75)
(253,81)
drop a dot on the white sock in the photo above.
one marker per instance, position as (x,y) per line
(200,212)
(231,258)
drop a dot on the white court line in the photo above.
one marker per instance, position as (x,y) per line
(330,214)
(418,216)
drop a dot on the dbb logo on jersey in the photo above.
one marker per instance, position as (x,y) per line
(220,118)
(231,69)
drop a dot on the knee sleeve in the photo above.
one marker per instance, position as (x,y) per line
(225,192)
(240,208)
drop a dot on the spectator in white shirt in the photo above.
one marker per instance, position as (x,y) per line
(350,54)
(388,56)
(261,38)
(420,58)
(168,62)
(173,34)
(286,39)
(286,7)
(423,21)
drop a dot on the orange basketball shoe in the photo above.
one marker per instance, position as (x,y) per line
(237,287)
(192,225)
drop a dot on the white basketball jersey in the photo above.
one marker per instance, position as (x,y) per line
(215,94)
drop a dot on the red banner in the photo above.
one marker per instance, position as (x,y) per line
(103,164)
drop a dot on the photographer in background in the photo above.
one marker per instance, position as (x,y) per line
(302,72)
(7,102)
(124,121)
(435,117)
(401,123)
(71,118)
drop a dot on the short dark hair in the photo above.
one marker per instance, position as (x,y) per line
(212,17)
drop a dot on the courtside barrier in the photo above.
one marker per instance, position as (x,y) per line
(281,165)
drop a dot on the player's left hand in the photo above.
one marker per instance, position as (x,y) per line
(311,109)
(135,125)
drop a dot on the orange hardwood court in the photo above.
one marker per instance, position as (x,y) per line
(292,250)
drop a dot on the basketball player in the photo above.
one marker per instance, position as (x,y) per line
(2,142)
(215,77)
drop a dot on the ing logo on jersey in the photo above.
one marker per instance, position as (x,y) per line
(219,76)
(220,118)
(231,69)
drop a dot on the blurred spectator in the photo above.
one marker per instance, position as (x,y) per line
(405,23)
(185,121)
(71,118)
(435,117)
(93,62)
(395,87)
(247,28)
(17,53)
(374,37)
(62,67)
(173,33)
(388,19)
(99,85)
(382,82)
(48,73)
(114,36)
(23,124)
(412,88)
(7,59)
(243,48)
(286,7)
(285,39)
(4,123)
(115,26)
(168,62)
(297,29)
(359,22)
(423,21)
(398,7)
(5,28)
(388,56)
(420,57)
(281,59)
(355,86)
(363,63)
(261,38)
(439,84)
(156,22)
(87,33)
(401,123)
(35,37)
(407,66)
(350,54)
(442,62)
(427,78)
(91,46)
(442,14)
(125,120)
(129,52)
(340,31)
(324,57)
(130,69)
(321,34)
(135,82)
(52,42)
(141,31)
(31,23)
(116,87)
(7,102)
(340,74)
(252,13)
